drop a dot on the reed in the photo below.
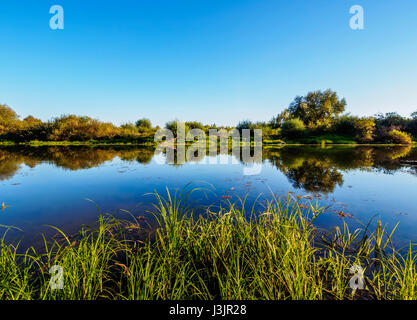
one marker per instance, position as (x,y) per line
(225,253)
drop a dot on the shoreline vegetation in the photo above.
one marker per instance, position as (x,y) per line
(116,143)
(319,117)
(225,253)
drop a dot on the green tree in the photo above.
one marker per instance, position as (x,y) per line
(412,124)
(391,120)
(245,124)
(317,108)
(8,119)
(144,123)
(195,125)
(277,121)
(173,125)
(7,114)
(30,122)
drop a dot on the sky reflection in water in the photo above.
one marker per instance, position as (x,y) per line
(49,185)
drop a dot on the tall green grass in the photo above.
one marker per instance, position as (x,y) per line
(225,253)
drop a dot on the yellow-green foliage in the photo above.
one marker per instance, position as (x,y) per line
(400,137)
(293,128)
(8,119)
(68,128)
(74,128)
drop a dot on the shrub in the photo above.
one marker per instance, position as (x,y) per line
(144,123)
(173,126)
(412,127)
(361,129)
(400,137)
(293,128)
(195,125)
(345,126)
(365,128)
(76,128)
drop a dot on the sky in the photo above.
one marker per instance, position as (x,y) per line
(214,61)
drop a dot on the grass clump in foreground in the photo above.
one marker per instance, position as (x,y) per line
(224,254)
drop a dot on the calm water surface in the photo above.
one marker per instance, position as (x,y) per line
(49,185)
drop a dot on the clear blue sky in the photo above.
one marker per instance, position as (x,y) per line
(209,60)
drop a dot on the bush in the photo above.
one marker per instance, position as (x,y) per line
(195,125)
(345,126)
(293,128)
(400,137)
(361,129)
(365,128)
(76,128)
(412,127)
(173,126)
(391,120)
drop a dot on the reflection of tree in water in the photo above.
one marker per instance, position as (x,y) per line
(71,158)
(9,165)
(140,155)
(314,176)
(389,160)
(399,152)
(314,169)
(318,169)
(179,155)
(145,156)
(409,161)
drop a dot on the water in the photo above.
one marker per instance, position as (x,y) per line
(49,185)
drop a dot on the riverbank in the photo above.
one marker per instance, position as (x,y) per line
(266,142)
(226,253)
(79,143)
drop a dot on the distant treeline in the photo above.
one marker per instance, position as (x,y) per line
(80,128)
(315,117)
(320,116)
